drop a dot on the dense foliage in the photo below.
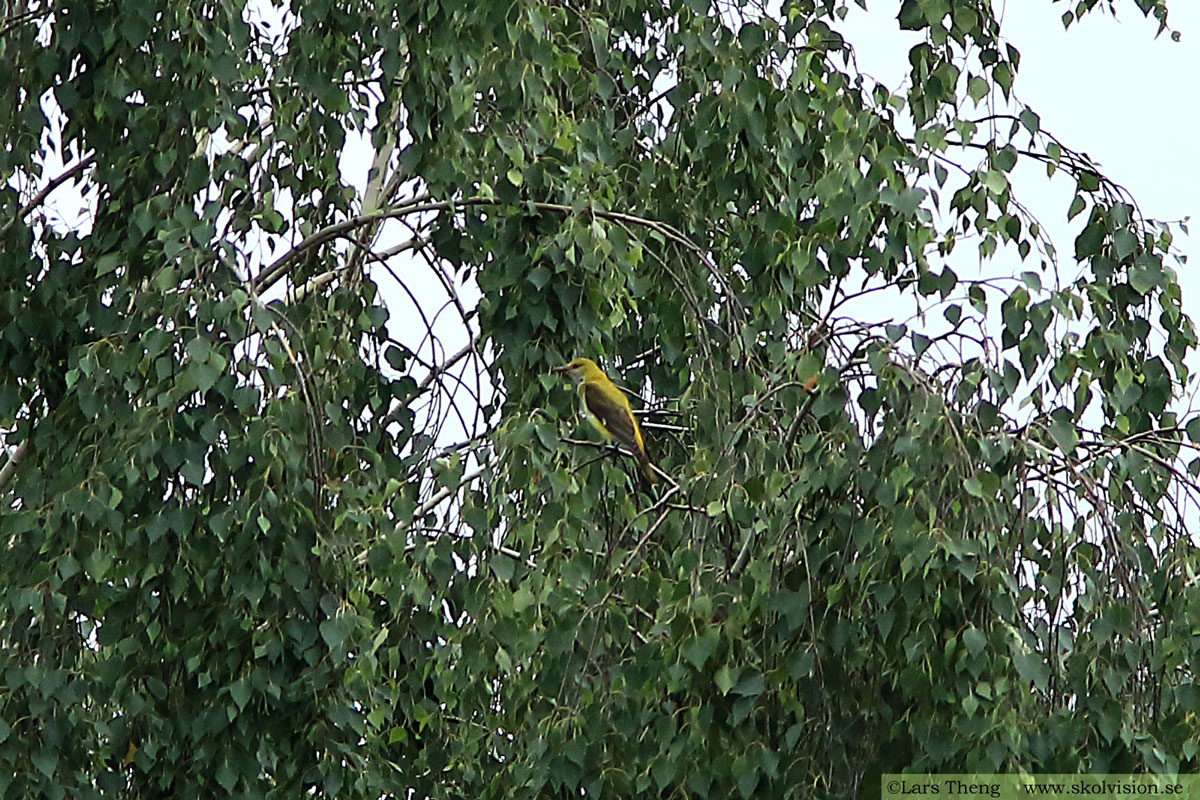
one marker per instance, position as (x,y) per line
(261,539)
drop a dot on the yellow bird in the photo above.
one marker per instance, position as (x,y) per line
(608,409)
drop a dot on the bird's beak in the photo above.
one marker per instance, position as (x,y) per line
(562,369)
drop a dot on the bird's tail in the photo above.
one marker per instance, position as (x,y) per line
(647,466)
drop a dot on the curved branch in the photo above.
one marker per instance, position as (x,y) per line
(430,504)
(54,183)
(273,273)
(10,466)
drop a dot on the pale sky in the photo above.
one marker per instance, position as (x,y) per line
(1105,86)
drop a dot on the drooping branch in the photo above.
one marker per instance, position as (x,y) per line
(438,497)
(269,276)
(21,18)
(54,183)
(10,466)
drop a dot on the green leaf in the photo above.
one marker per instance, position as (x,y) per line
(502,567)
(204,375)
(1032,669)
(700,649)
(1088,243)
(1144,279)
(747,779)
(725,678)
(335,630)
(539,277)
(98,564)
(750,685)
(1125,243)
(977,88)
(225,776)
(523,599)
(975,641)
(1064,435)
(504,660)
(664,772)
(1077,206)
(46,760)
(995,181)
(240,693)
(107,263)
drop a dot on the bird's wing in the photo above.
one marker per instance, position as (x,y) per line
(618,419)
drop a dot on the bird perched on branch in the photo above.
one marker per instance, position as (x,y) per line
(608,409)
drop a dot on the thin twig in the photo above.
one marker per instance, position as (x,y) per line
(430,504)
